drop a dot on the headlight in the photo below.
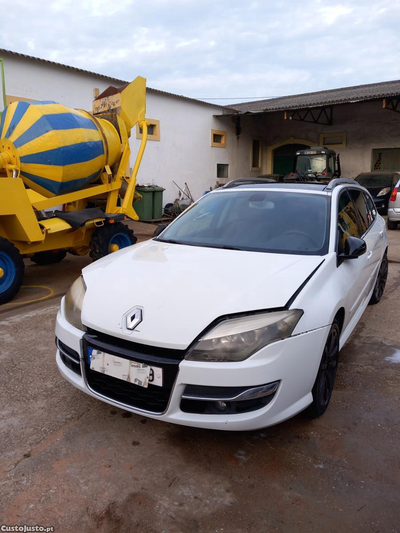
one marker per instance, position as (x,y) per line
(237,339)
(73,303)
(384,191)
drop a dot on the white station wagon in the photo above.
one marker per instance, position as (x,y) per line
(233,316)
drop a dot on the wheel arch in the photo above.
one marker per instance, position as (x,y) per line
(340,316)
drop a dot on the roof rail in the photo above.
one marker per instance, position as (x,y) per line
(245,181)
(339,181)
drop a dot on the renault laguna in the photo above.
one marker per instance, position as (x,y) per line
(233,316)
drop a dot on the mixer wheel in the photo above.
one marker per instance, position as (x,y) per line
(11,270)
(110,238)
(48,258)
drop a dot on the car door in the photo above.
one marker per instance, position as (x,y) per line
(371,231)
(357,270)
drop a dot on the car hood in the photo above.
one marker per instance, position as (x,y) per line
(182,289)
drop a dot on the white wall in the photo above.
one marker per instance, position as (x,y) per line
(184,152)
(38,80)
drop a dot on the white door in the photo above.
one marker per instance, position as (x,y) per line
(357,271)
(372,231)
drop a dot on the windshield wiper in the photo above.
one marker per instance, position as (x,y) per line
(201,245)
(228,247)
(170,241)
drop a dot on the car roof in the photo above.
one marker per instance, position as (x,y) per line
(321,187)
(277,185)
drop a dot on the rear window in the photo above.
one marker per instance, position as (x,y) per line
(262,221)
(375,180)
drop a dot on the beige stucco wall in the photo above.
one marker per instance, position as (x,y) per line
(366,124)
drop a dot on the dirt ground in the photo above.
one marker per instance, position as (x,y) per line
(78,464)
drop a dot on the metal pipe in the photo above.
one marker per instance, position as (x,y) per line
(128,198)
(3,83)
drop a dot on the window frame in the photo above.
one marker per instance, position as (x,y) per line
(365,195)
(226,165)
(259,167)
(345,190)
(356,210)
(341,134)
(223,134)
(153,137)
(372,207)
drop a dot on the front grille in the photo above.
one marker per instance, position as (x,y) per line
(69,357)
(153,399)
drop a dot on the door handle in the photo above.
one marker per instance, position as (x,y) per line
(381,233)
(369,255)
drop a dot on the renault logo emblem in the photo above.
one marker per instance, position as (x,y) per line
(134,318)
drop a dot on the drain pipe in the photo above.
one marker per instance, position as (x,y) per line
(3,83)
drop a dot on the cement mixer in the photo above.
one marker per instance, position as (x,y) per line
(52,156)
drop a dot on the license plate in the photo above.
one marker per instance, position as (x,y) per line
(133,372)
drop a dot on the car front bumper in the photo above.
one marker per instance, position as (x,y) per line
(292,362)
(381,202)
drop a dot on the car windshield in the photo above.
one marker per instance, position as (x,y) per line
(264,221)
(375,180)
(311,164)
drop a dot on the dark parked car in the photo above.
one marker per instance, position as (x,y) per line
(380,185)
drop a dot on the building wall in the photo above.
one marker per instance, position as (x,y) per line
(367,126)
(37,80)
(183,153)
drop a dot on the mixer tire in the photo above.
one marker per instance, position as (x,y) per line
(110,238)
(48,258)
(11,270)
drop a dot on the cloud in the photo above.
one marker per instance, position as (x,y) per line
(203,48)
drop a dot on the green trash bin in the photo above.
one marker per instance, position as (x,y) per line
(144,208)
(157,202)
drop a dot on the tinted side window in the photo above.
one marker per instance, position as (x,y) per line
(361,208)
(347,220)
(371,210)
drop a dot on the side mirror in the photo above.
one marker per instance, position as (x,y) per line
(353,248)
(159,230)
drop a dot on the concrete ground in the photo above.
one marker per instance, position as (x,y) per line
(80,465)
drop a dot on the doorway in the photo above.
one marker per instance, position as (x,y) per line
(284,157)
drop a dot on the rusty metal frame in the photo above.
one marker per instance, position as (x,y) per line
(392,104)
(322,115)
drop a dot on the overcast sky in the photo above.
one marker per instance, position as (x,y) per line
(215,48)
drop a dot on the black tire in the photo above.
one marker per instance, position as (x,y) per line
(391,225)
(12,270)
(380,283)
(323,386)
(104,236)
(48,258)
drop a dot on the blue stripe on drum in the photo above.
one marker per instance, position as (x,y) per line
(57,187)
(19,112)
(66,155)
(3,118)
(60,121)
(42,102)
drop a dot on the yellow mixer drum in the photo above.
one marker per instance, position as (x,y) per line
(60,149)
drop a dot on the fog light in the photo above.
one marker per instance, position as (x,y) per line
(221,406)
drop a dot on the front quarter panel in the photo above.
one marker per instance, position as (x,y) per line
(322,297)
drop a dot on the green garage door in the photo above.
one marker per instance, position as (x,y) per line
(284,157)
